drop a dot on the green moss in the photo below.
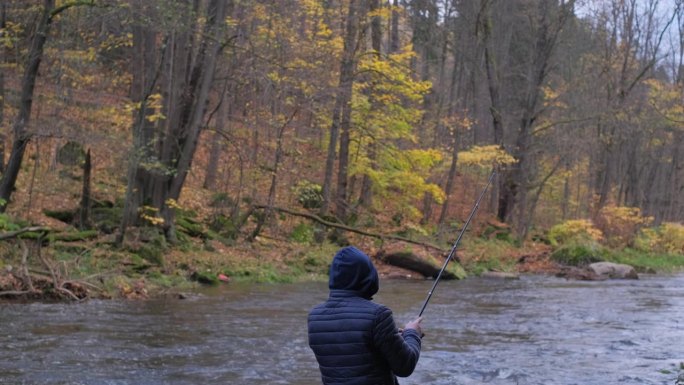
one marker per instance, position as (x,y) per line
(486,255)
(190,227)
(8,224)
(64,237)
(303,233)
(152,253)
(578,254)
(106,219)
(66,216)
(647,262)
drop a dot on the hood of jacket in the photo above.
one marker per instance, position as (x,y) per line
(352,272)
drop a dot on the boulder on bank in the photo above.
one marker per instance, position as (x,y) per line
(598,271)
(579,274)
(613,270)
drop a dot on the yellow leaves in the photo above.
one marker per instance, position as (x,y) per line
(118,118)
(151,215)
(456,122)
(552,97)
(620,224)
(391,76)
(9,34)
(231,21)
(576,230)
(155,105)
(172,203)
(621,215)
(666,99)
(112,41)
(402,175)
(666,238)
(485,156)
(382,12)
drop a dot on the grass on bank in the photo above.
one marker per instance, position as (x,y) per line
(583,253)
(648,262)
(148,265)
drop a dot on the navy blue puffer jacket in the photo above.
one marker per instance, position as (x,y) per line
(355,340)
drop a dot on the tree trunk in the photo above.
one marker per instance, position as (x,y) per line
(366,198)
(484,33)
(216,146)
(394,28)
(195,102)
(3,96)
(21,134)
(274,180)
(84,211)
(342,112)
(451,178)
(3,134)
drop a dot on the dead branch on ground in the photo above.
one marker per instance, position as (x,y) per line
(341,226)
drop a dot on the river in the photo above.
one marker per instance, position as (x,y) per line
(536,330)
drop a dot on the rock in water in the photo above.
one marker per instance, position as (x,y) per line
(500,275)
(614,270)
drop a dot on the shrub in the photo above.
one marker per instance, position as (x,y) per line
(302,233)
(578,254)
(576,230)
(666,238)
(7,224)
(621,224)
(309,195)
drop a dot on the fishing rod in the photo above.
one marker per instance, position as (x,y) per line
(453,248)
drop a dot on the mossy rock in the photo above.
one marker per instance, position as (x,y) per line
(66,216)
(107,219)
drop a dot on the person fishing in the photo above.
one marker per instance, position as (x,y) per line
(354,339)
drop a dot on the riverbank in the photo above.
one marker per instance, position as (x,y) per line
(92,267)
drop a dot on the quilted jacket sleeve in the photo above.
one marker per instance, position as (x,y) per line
(400,351)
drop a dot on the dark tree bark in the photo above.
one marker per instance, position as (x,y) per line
(3,59)
(216,145)
(20,126)
(188,74)
(366,197)
(84,210)
(274,180)
(342,114)
(394,28)
(194,107)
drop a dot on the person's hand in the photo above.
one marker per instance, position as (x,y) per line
(415,325)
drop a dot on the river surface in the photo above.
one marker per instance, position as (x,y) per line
(536,330)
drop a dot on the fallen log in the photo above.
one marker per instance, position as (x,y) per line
(14,234)
(410,261)
(340,226)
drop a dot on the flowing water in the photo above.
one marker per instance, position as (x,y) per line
(536,330)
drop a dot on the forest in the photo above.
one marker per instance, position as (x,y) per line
(151,142)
